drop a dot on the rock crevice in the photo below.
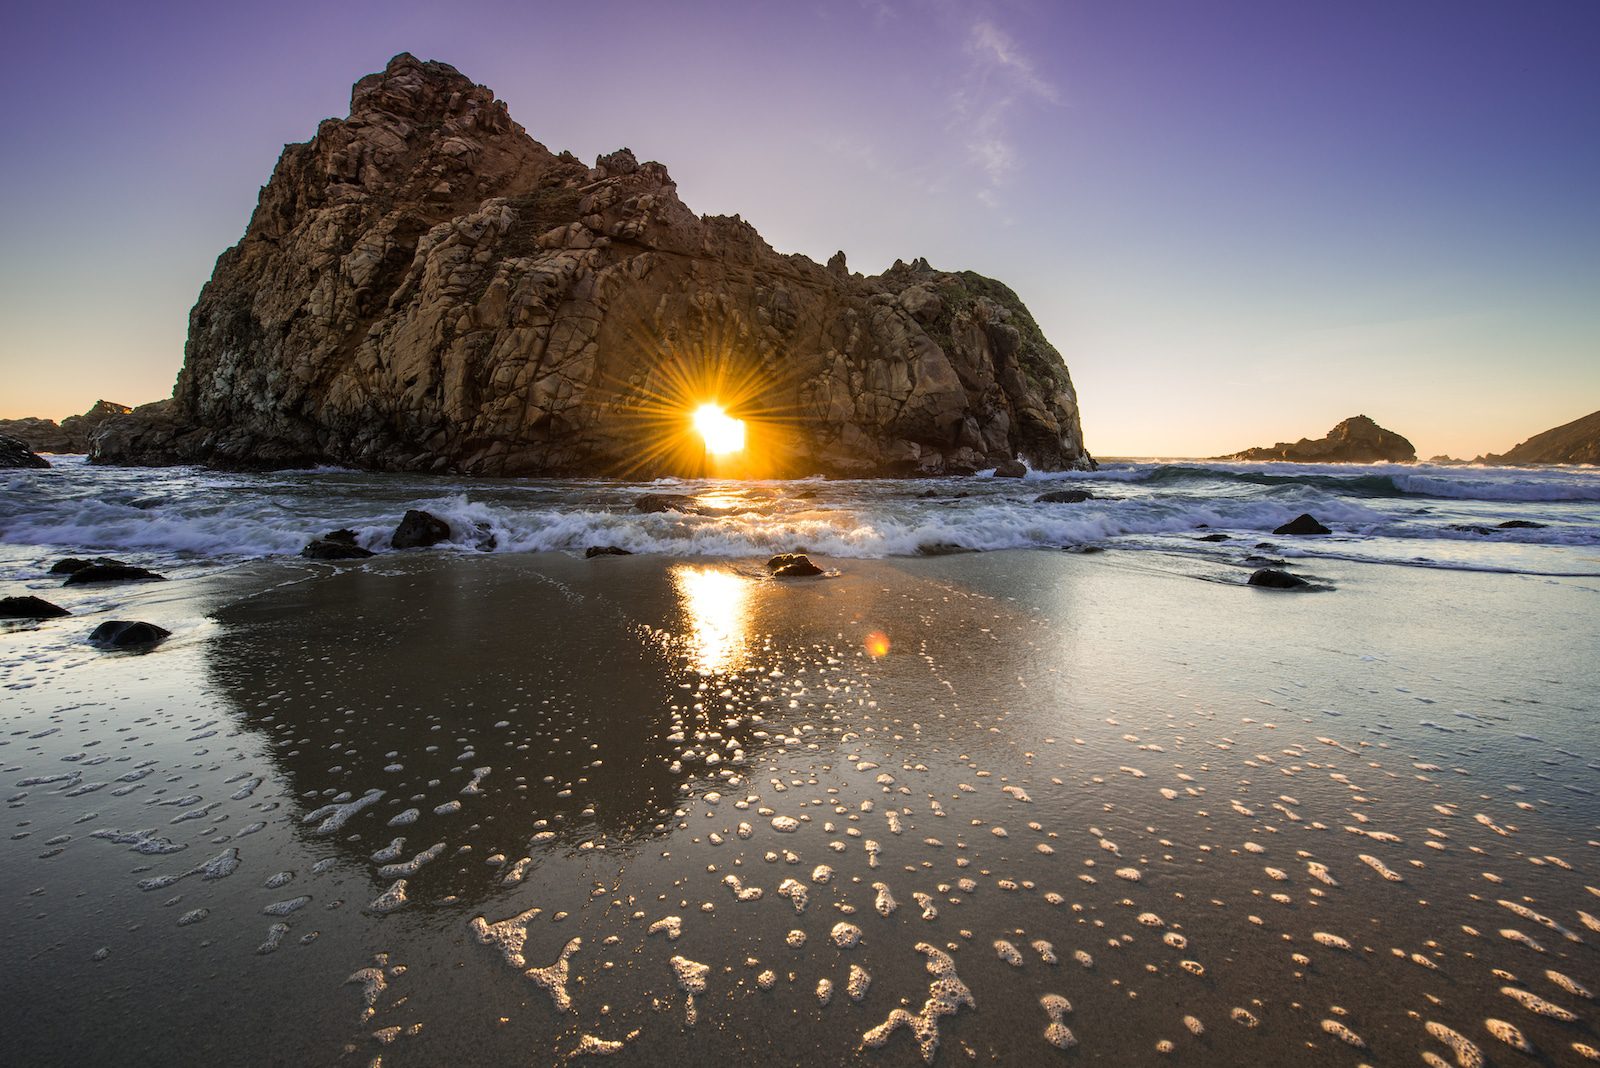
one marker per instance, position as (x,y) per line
(423,286)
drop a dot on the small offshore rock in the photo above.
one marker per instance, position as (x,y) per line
(792,565)
(605,550)
(664,502)
(29,608)
(15,453)
(1305,523)
(1063,497)
(1520,524)
(419,530)
(70,564)
(1010,469)
(112,572)
(1212,537)
(329,547)
(1273,579)
(128,634)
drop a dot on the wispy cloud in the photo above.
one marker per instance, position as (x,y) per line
(1000,79)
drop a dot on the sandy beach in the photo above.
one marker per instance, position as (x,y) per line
(363,814)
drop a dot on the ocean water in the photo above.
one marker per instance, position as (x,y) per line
(1009,806)
(187,519)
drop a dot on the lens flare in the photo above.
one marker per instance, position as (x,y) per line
(722,433)
(877,644)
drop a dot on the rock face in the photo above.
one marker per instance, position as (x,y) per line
(70,435)
(425,287)
(14,453)
(1357,440)
(1577,442)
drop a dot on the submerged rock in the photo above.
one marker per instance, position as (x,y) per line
(15,453)
(792,565)
(605,550)
(1273,579)
(29,608)
(94,573)
(419,530)
(1304,523)
(1357,440)
(1064,497)
(126,634)
(425,287)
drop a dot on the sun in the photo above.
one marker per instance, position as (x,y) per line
(722,433)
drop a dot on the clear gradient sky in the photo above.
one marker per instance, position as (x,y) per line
(1240,221)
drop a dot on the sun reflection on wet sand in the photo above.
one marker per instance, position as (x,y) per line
(716,603)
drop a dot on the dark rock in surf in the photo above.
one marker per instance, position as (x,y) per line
(1520,524)
(792,565)
(1010,469)
(664,502)
(943,548)
(1212,537)
(419,530)
(94,574)
(128,634)
(1304,523)
(15,453)
(605,550)
(72,564)
(29,608)
(1272,579)
(331,548)
(1064,497)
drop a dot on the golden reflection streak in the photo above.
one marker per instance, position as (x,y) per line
(717,606)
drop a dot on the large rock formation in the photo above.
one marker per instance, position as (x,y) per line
(70,435)
(1577,442)
(425,287)
(1357,440)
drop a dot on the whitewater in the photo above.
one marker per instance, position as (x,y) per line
(183,520)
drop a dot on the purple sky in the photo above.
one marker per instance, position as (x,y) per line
(1239,221)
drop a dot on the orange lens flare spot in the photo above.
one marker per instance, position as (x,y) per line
(877,644)
(722,433)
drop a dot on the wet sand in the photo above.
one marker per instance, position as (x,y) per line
(655,809)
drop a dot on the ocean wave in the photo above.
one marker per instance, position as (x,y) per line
(192,517)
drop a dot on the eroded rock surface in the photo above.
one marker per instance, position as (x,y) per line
(425,287)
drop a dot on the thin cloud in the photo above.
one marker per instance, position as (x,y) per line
(1000,78)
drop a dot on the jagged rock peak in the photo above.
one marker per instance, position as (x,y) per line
(423,286)
(1357,440)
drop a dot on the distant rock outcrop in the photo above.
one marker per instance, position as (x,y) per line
(425,287)
(1577,442)
(1357,440)
(70,435)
